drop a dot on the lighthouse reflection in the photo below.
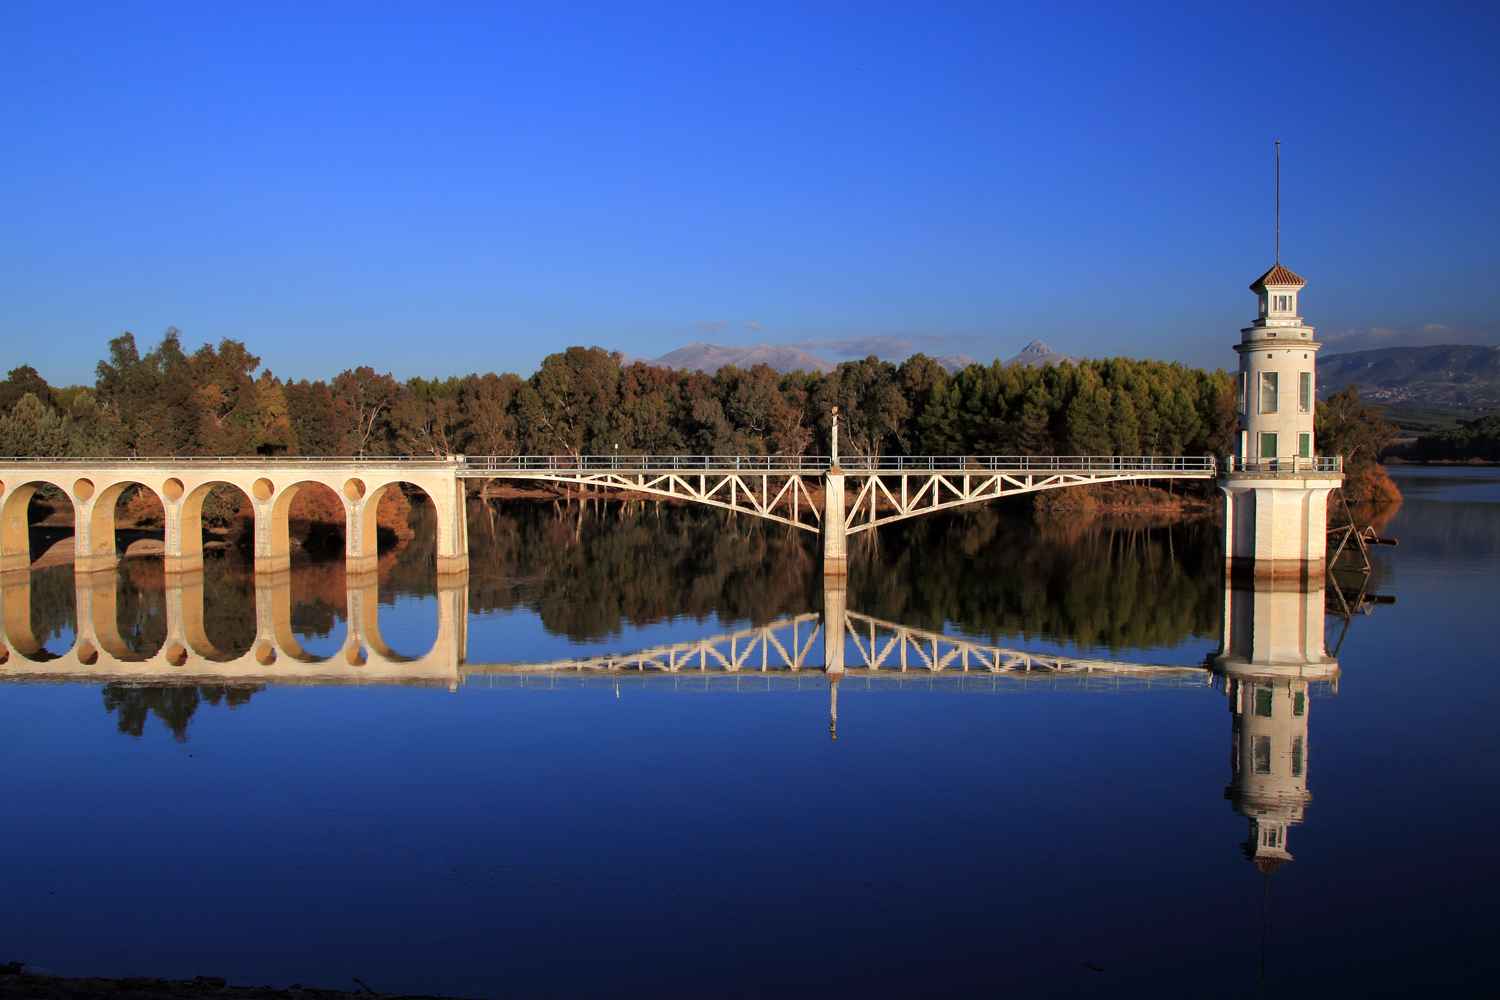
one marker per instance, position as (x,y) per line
(1272,663)
(1272,660)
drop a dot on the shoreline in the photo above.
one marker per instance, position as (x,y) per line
(20,985)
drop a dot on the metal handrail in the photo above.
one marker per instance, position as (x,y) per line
(645,463)
(1204,466)
(1181,465)
(1285,466)
(775,464)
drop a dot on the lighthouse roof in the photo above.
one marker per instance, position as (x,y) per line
(1279,276)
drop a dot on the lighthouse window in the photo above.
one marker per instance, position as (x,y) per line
(1296,756)
(1299,704)
(1304,446)
(1260,750)
(1304,393)
(1269,388)
(1268,446)
(1244,379)
(1263,702)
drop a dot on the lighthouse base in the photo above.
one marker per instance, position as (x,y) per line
(1276,525)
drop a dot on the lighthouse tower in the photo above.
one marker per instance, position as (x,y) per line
(1276,486)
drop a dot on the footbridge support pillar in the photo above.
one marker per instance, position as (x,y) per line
(1276,517)
(833,525)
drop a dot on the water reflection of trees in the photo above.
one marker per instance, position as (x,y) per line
(1098,582)
(174,705)
(588,570)
(140,606)
(54,603)
(1102,583)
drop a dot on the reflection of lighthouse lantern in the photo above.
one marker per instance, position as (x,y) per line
(1272,655)
(1269,763)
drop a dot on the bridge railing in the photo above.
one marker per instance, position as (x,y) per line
(785,464)
(252,460)
(1283,466)
(1205,466)
(777,464)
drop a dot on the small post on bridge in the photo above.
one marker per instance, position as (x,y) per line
(835,550)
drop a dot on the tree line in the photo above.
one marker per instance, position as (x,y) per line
(581,401)
(1472,441)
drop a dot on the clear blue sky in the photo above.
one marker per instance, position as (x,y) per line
(437,188)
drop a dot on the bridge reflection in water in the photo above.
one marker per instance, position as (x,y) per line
(1273,659)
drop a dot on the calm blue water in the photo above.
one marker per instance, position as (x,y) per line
(677,838)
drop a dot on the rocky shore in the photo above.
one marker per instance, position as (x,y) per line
(19,981)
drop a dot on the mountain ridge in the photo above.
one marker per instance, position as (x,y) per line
(1439,375)
(705,357)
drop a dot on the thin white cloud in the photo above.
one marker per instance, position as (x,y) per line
(1427,335)
(891,346)
(753,326)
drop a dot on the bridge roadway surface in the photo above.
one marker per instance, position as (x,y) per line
(798,491)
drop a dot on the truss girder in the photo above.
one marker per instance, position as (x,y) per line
(887,645)
(743,492)
(877,503)
(788,645)
(781,645)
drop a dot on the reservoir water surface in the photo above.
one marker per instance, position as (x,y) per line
(612,764)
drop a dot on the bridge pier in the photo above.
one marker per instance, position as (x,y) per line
(833,526)
(1276,522)
(835,623)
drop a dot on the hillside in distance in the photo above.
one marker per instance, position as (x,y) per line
(711,357)
(1455,375)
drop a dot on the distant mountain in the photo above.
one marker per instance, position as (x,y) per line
(954,362)
(1037,354)
(1445,375)
(711,357)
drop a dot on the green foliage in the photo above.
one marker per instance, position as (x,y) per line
(1102,583)
(34,430)
(222,505)
(21,382)
(1479,439)
(1417,420)
(581,402)
(1345,426)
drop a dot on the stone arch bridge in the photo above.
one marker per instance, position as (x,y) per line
(810,493)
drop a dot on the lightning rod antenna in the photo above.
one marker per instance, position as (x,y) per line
(1278,201)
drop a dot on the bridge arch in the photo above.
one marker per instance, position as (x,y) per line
(186,549)
(98,652)
(15,517)
(99,541)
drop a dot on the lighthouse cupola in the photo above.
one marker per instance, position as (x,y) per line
(1278,290)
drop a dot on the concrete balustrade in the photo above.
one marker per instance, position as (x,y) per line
(93,486)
